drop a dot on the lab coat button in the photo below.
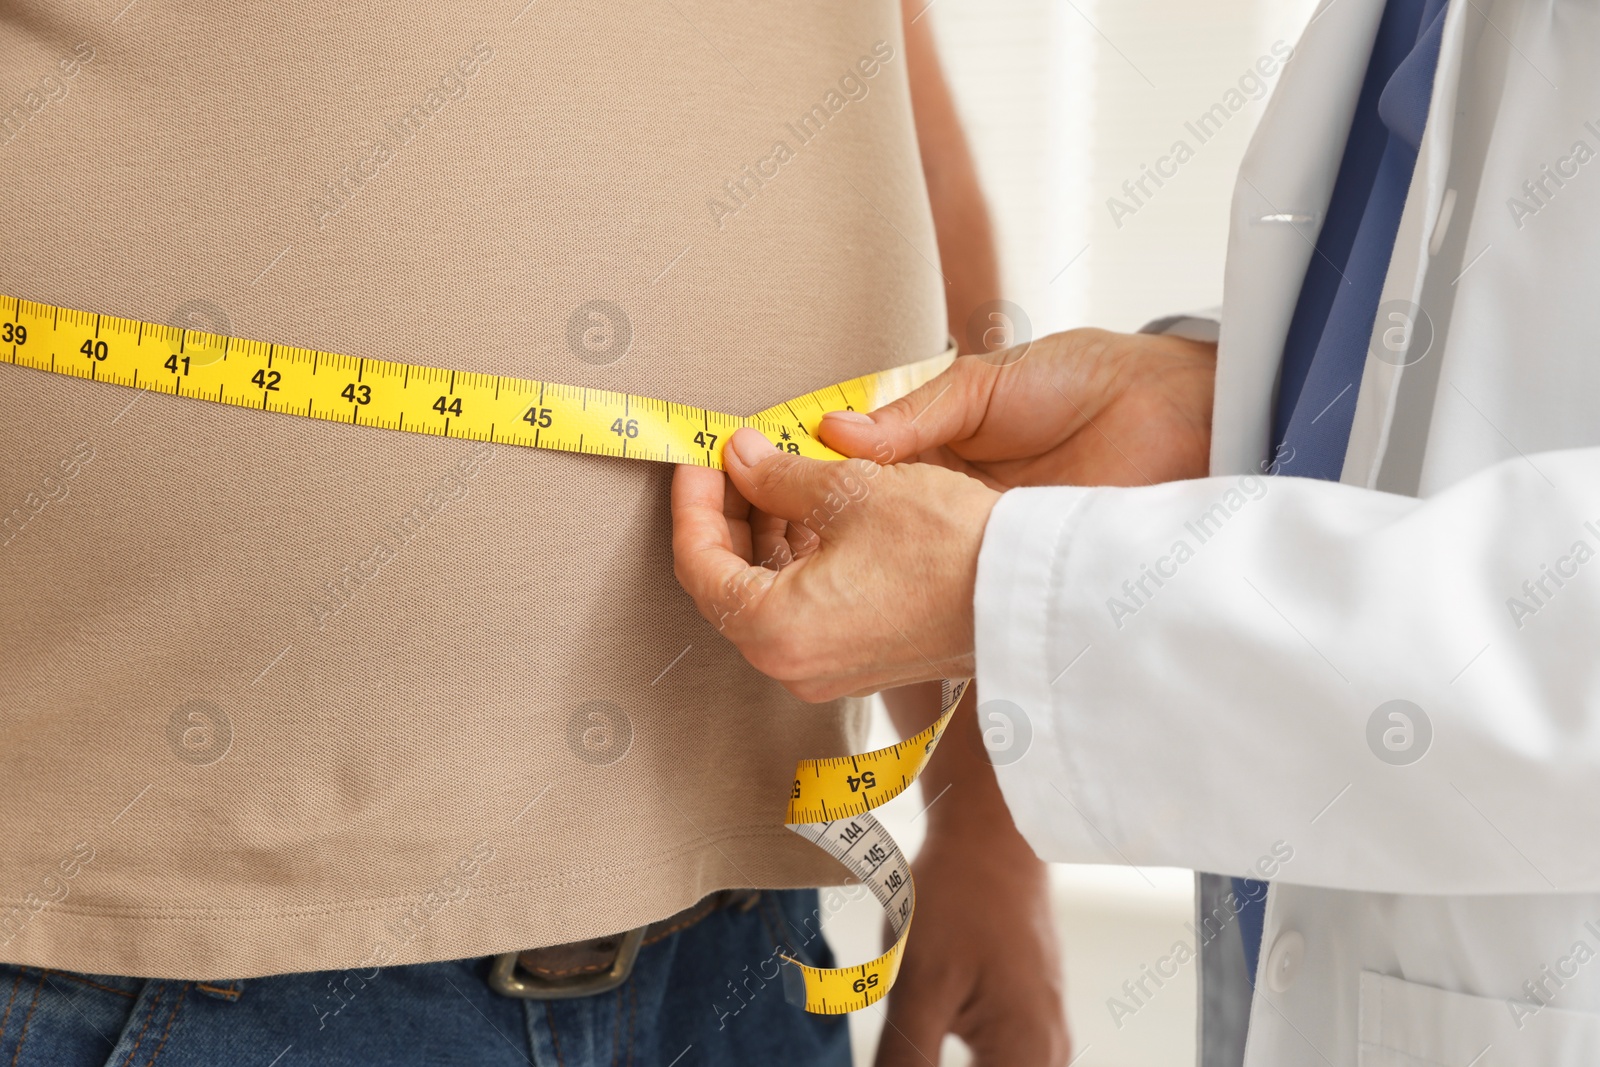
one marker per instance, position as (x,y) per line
(1283,962)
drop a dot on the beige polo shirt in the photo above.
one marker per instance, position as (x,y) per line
(280,695)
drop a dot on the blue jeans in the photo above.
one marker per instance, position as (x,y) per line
(701,997)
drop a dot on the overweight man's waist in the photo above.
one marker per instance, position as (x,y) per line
(183,835)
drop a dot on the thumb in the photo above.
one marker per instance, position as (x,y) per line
(949,408)
(780,483)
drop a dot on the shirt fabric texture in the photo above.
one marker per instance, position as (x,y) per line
(283,695)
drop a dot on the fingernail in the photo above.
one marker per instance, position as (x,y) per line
(857,418)
(750,446)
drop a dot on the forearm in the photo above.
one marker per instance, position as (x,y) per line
(968,261)
(960,792)
(960,216)
(984,961)
(1212,667)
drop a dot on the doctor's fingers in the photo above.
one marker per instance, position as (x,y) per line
(809,493)
(769,544)
(951,407)
(722,583)
(705,503)
(776,542)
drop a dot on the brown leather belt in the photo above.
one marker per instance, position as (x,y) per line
(600,964)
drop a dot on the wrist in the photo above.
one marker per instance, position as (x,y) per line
(981,821)
(977,504)
(990,844)
(973,811)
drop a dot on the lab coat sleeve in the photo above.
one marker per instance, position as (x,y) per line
(1205,674)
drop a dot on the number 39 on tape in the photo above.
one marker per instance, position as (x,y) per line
(366,391)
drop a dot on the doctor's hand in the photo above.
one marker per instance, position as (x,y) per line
(847,578)
(876,566)
(1084,407)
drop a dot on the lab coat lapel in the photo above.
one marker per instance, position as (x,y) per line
(1279,203)
(1415,243)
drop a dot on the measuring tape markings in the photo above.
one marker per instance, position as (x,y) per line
(829,807)
(831,798)
(472,405)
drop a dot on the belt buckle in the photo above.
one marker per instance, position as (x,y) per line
(506,979)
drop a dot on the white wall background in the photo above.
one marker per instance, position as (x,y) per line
(1063,101)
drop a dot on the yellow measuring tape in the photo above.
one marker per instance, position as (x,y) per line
(426,400)
(831,798)
(829,806)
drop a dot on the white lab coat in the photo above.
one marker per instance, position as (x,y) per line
(1221,713)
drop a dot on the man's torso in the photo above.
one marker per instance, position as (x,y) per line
(282,695)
